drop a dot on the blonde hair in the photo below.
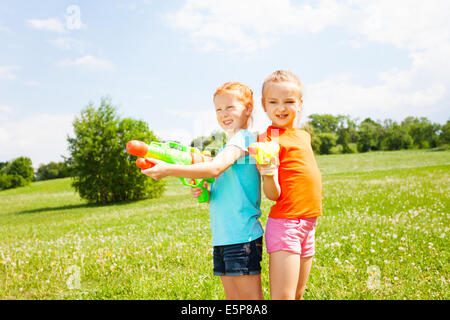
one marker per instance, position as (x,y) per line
(244,94)
(283,76)
(286,76)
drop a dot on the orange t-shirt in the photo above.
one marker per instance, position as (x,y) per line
(298,175)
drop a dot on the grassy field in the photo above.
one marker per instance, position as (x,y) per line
(384,235)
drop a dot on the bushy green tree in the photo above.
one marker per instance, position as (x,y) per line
(396,137)
(327,141)
(211,143)
(201,142)
(17,173)
(422,131)
(315,143)
(21,166)
(9,181)
(103,171)
(344,140)
(325,122)
(444,136)
(370,134)
(52,170)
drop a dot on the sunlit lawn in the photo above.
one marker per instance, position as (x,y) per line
(384,235)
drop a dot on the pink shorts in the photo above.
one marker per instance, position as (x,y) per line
(293,235)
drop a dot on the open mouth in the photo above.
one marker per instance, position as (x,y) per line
(281,116)
(227,122)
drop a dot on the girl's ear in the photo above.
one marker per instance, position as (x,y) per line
(300,105)
(249,109)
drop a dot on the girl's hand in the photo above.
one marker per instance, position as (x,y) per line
(268,169)
(196,192)
(159,171)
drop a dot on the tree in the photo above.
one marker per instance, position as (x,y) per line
(315,142)
(103,171)
(8,181)
(201,142)
(212,143)
(52,170)
(327,141)
(344,140)
(422,131)
(369,135)
(17,173)
(444,136)
(21,166)
(396,137)
(325,122)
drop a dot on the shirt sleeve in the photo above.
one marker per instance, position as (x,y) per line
(242,139)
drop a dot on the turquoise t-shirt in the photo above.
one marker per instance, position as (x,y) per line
(235,200)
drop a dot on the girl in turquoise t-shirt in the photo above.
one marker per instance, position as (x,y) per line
(235,196)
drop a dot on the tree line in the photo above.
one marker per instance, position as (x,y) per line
(341,134)
(19,172)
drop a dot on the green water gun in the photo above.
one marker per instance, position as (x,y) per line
(174,153)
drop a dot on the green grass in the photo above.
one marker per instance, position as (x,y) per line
(384,235)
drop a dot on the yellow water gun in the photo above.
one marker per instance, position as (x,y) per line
(264,152)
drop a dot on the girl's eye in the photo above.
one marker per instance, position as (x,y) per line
(230,107)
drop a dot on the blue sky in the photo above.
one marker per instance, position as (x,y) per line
(160,61)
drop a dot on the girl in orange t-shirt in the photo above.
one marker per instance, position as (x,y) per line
(295,185)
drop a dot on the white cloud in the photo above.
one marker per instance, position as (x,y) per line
(50,24)
(411,24)
(254,24)
(68,43)
(89,63)
(41,137)
(5,109)
(5,112)
(421,28)
(201,123)
(338,95)
(249,25)
(7,72)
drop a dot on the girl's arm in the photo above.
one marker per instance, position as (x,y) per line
(201,170)
(271,187)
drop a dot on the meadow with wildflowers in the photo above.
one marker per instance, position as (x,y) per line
(384,235)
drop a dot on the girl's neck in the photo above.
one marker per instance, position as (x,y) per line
(230,134)
(284,128)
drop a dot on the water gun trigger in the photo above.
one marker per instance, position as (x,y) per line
(144,163)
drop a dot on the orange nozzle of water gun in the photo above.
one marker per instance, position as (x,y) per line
(144,164)
(252,150)
(137,148)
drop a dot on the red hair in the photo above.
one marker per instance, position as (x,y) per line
(244,93)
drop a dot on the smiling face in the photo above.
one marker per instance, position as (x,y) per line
(232,115)
(282,102)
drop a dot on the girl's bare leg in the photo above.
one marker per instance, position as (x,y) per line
(284,270)
(305,268)
(246,287)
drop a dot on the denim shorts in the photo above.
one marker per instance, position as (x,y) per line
(238,259)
